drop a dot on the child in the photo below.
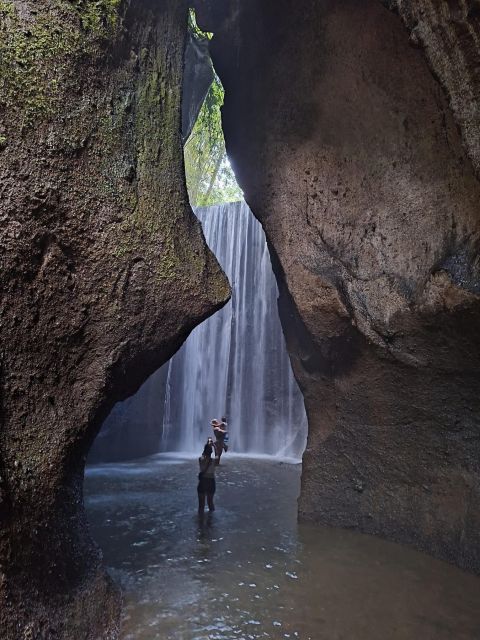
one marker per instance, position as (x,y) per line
(219,433)
(225,437)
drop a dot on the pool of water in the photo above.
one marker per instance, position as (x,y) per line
(249,571)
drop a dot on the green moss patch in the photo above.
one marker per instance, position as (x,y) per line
(34,51)
(100,17)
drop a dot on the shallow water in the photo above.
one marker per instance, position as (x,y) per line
(249,571)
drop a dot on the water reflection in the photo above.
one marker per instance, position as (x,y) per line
(248,571)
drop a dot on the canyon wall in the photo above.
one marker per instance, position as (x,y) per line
(448,32)
(104,273)
(353,131)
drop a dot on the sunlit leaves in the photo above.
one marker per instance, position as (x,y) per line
(210,179)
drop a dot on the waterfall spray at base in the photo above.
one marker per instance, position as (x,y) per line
(235,364)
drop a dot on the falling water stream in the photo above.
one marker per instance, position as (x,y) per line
(234,364)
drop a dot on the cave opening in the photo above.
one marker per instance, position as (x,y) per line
(250,570)
(140,478)
(235,363)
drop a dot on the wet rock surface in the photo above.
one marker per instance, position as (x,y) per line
(351,156)
(104,273)
(449,35)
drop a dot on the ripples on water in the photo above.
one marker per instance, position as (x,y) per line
(248,571)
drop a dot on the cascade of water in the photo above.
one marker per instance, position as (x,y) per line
(236,363)
(233,364)
(166,423)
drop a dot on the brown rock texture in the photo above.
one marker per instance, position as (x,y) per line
(352,157)
(448,31)
(104,271)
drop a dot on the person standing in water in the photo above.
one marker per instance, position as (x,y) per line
(219,433)
(206,480)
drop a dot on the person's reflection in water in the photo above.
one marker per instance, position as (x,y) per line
(205,529)
(204,551)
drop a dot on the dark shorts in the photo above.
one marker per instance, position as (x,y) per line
(206,485)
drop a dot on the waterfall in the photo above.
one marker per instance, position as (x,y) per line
(233,364)
(236,363)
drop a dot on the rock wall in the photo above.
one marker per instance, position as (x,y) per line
(104,273)
(448,32)
(352,157)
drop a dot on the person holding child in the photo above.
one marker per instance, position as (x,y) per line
(220,432)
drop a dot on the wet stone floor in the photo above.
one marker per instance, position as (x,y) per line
(249,571)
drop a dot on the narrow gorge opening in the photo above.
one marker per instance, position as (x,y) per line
(234,364)
(141,479)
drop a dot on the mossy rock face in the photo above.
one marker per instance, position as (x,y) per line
(39,44)
(105,271)
(100,17)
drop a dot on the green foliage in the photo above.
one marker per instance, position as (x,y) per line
(195,29)
(210,179)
